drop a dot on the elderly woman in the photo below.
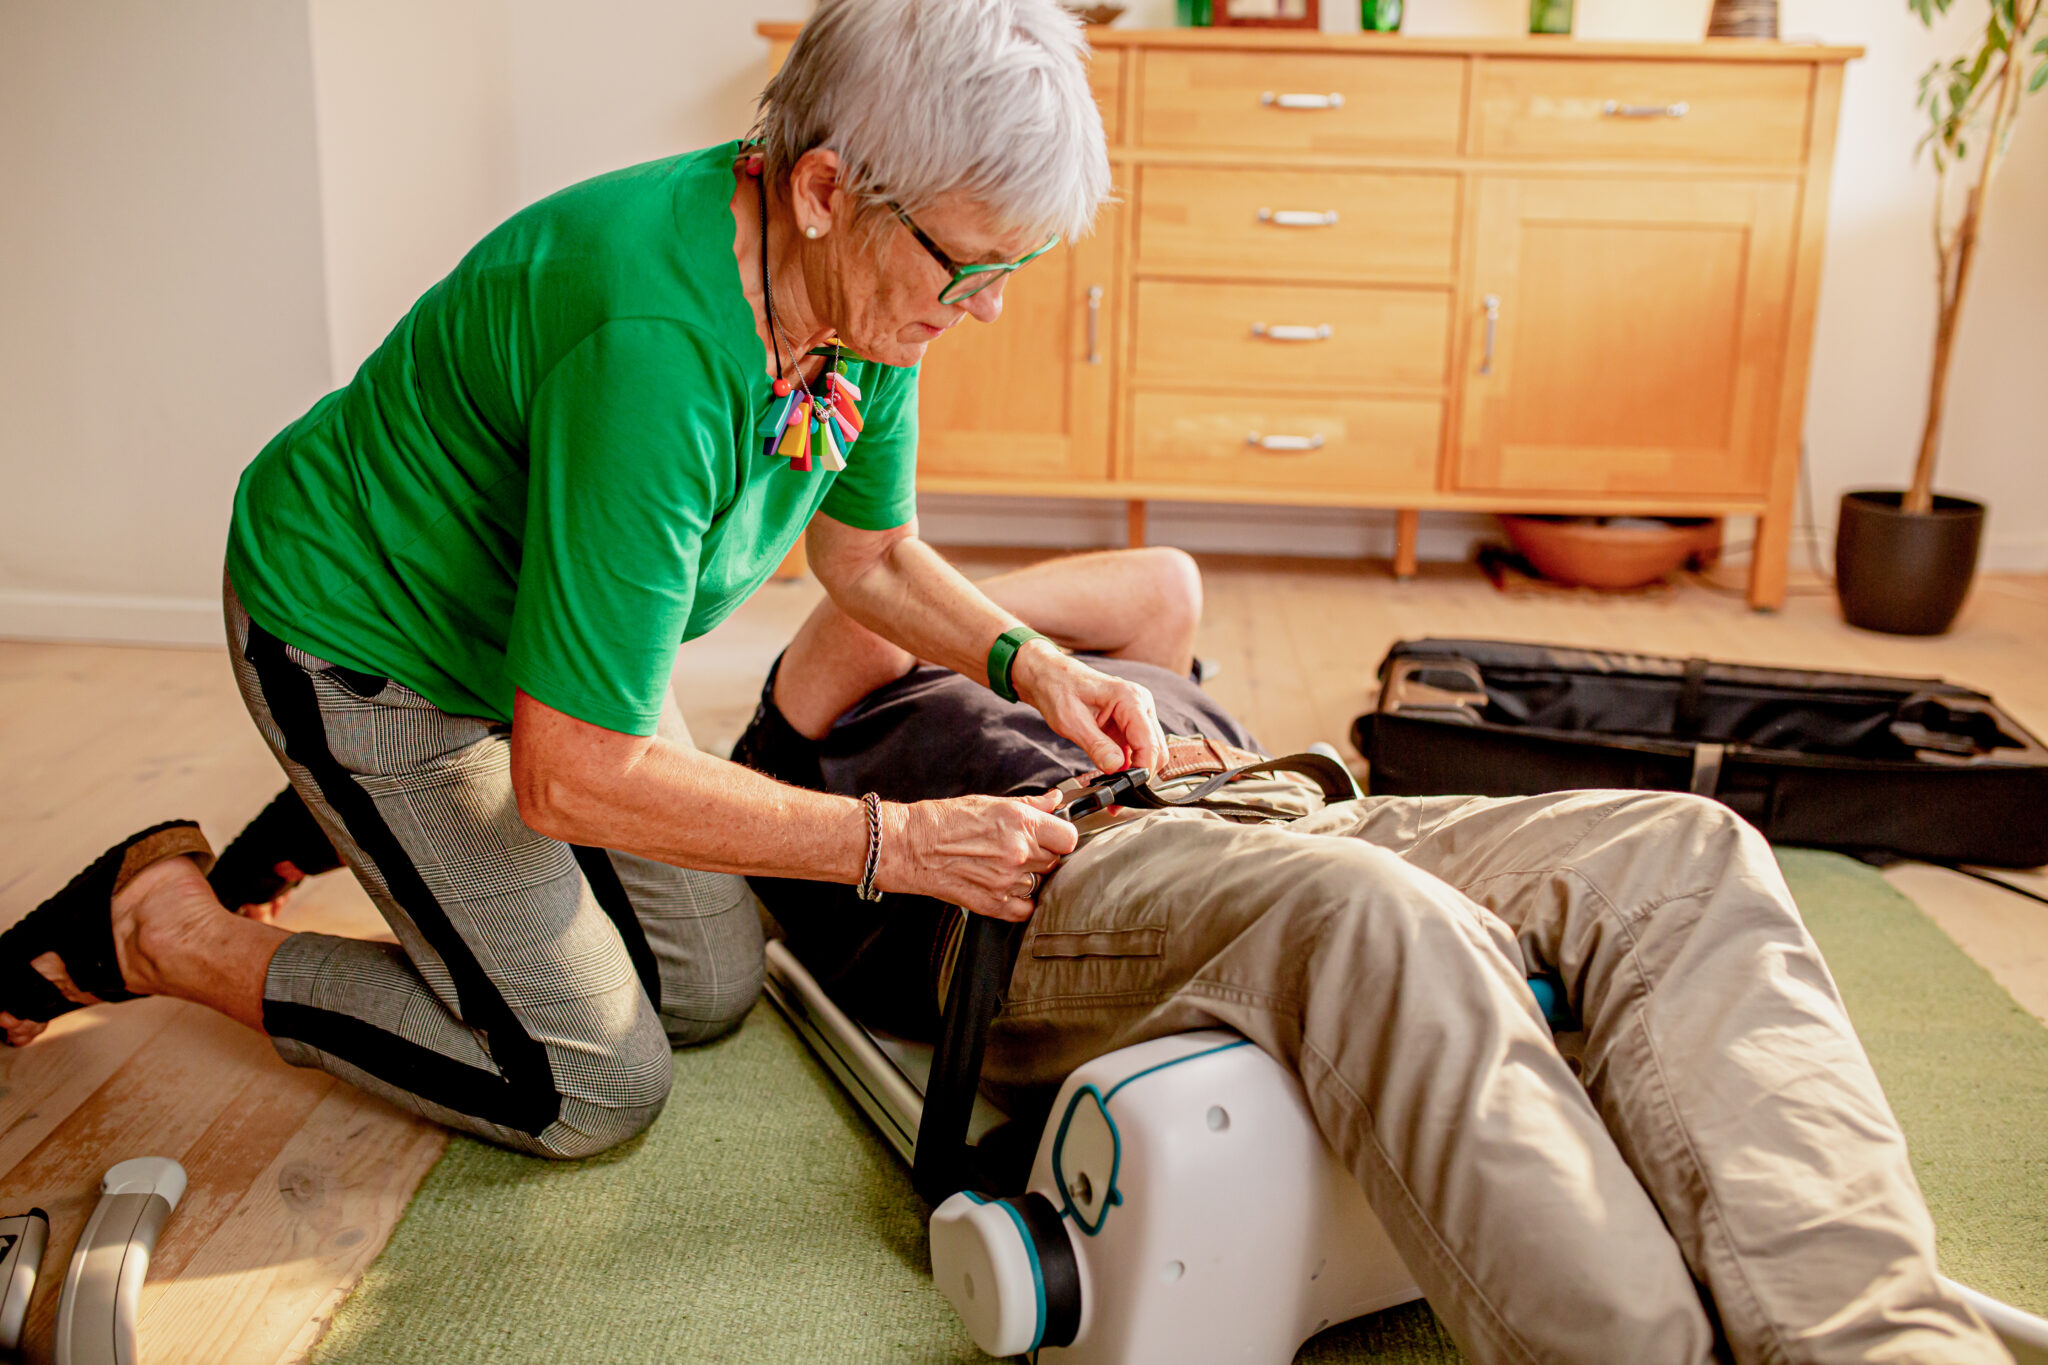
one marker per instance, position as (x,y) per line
(455,589)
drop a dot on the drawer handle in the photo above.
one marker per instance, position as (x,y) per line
(1492,303)
(1094,324)
(1333,100)
(1616,109)
(1284,332)
(1285,444)
(1299,217)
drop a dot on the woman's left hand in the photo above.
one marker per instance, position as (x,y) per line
(1111,719)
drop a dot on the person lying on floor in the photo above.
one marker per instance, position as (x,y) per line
(1722,1158)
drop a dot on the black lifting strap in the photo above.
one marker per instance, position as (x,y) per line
(942,1165)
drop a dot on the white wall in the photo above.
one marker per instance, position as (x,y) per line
(414,110)
(607,83)
(161,311)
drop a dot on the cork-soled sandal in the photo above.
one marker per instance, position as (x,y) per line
(276,851)
(77,925)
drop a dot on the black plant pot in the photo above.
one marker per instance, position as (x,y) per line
(1905,573)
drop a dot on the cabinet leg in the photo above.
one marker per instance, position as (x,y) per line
(1134,523)
(1407,523)
(1769,561)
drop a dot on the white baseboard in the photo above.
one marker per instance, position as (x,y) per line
(107,618)
(2019,553)
(1210,528)
(1316,532)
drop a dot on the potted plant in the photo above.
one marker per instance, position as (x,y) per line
(1904,561)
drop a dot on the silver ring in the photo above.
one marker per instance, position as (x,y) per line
(1032,881)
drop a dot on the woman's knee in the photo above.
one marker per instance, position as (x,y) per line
(616,1089)
(711,1010)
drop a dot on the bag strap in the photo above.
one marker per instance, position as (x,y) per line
(1691,714)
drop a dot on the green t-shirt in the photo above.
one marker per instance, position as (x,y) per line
(552,472)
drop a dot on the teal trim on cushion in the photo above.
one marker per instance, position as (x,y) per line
(1112,1196)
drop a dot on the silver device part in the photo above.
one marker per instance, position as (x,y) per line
(22,1239)
(96,1315)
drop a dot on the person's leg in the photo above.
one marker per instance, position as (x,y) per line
(1718,1054)
(1403,1008)
(701,929)
(1130,604)
(512,1006)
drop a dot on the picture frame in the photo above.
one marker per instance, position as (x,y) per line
(1266,14)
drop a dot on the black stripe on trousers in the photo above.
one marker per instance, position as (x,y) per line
(522,1096)
(618,907)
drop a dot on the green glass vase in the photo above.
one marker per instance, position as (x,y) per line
(1550,16)
(1380,16)
(1194,13)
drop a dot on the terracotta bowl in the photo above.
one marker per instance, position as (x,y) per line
(1587,554)
(1097,14)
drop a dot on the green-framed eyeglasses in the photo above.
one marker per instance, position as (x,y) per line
(968,280)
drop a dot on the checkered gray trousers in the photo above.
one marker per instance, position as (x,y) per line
(536,987)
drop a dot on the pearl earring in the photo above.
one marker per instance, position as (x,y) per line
(812,233)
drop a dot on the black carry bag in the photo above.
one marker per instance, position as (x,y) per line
(1860,762)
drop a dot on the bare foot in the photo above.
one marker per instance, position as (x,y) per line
(161,899)
(157,916)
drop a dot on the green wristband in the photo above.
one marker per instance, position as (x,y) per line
(1003,654)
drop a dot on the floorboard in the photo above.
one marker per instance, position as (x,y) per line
(296,1180)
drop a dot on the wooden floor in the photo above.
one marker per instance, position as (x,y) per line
(296,1181)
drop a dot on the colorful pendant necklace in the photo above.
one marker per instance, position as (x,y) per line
(806,421)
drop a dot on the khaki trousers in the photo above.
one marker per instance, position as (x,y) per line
(1723,1142)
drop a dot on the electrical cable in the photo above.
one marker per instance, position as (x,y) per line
(1996,881)
(1808,535)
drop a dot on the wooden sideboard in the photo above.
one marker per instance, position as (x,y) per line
(1534,275)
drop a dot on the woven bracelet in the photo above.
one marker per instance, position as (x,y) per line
(871,807)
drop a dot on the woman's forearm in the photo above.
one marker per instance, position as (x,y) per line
(904,592)
(897,586)
(666,801)
(586,785)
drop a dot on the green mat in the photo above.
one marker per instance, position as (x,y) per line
(761,1219)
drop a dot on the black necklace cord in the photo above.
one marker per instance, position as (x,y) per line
(767,288)
(796,359)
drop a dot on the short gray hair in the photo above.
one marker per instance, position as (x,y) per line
(920,98)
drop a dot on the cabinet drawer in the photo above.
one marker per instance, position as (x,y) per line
(1344,225)
(1301,102)
(1316,445)
(1662,111)
(1106,79)
(1298,336)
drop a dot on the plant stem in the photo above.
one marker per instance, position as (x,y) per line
(1955,279)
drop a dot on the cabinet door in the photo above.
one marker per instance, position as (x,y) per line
(1027,397)
(1636,336)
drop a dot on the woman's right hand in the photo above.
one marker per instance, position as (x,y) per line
(976,852)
